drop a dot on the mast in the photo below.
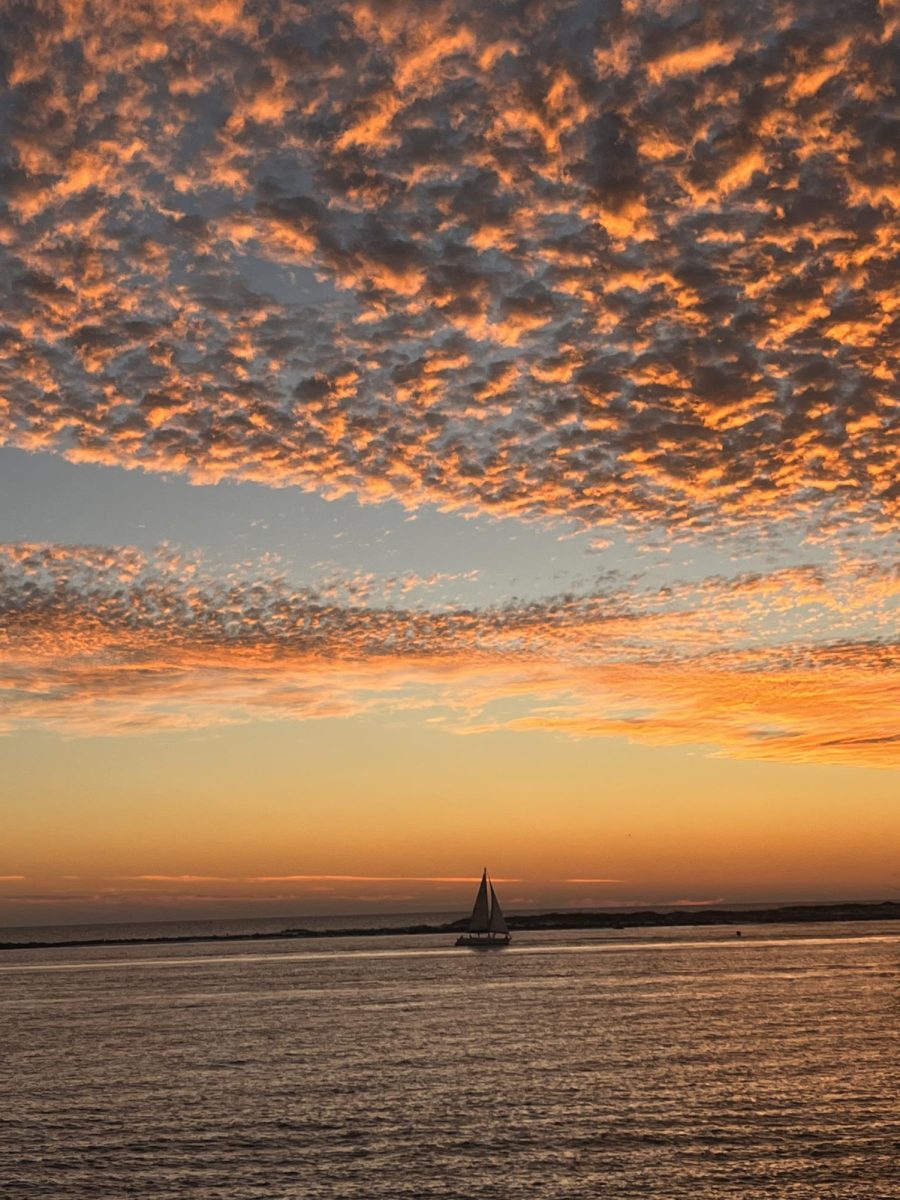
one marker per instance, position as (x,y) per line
(480,920)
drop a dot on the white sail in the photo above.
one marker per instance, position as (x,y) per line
(479,922)
(498,921)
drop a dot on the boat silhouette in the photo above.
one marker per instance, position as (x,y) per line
(487,928)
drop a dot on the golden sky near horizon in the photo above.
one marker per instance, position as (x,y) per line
(445,434)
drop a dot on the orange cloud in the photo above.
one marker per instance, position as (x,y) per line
(798,665)
(692,60)
(307,879)
(656,256)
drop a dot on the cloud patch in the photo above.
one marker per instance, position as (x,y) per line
(624,263)
(799,664)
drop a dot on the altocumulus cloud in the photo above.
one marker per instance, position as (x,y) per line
(621,261)
(797,664)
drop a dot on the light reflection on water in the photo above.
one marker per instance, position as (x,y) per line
(753,1068)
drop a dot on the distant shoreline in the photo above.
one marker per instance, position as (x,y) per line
(794,914)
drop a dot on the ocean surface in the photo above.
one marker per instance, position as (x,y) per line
(654,1063)
(238,927)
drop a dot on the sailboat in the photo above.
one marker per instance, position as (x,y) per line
(487,926)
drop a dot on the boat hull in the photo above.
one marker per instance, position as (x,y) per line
(482,943)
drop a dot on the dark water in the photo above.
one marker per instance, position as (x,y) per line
(689,1065)
(239,927)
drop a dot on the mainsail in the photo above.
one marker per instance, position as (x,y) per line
(497,922)
(480,921)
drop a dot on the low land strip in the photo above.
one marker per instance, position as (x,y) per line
(886,910)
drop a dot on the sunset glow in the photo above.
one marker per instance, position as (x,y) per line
(443,434)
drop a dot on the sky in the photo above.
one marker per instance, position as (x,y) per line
(445,435)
